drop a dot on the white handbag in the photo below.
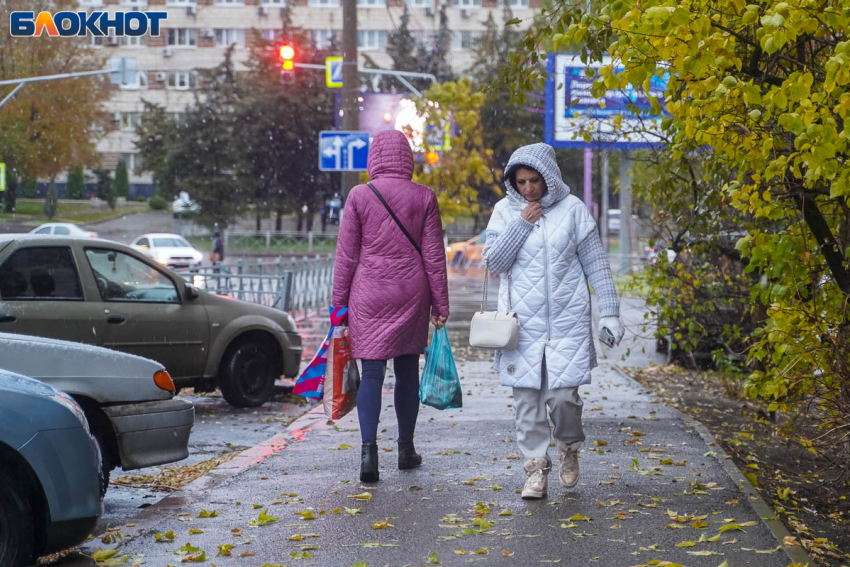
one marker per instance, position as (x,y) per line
(494,329)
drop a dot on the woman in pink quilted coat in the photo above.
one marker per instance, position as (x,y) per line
(392,289)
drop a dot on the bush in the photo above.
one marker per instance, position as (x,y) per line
(76,184)
(158,203)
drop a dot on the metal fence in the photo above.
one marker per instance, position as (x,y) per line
(248,240)
(296,285)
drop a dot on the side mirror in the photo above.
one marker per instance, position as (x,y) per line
(192,292)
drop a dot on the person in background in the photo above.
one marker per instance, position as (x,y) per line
(217,254)
(392,287)
(547,242)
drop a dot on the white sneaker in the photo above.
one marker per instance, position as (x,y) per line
(536,484)
(568,469)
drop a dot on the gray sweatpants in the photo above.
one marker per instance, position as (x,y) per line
(532,418)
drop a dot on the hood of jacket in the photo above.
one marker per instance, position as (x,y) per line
(390,156)
(540,157)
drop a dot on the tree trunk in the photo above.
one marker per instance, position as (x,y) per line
(259,227)
(277,220)
(11,193)
(300,217)
(310,222)
(828,246)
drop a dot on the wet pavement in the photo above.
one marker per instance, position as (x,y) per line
(651,488)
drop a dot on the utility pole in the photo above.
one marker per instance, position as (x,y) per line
(350,83)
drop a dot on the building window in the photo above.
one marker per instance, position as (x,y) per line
(141,82)
(133,162)
(228,37)
(371,3)
(135,3)
(464,40)
(97,41)
(324,3)
(182,80)
(84,3)
(181,2)
(274,2)
(420,3)
(324,39)
(271,35)
(518,3)
(369,40)
(129,120)
(128,41)
(466,3)
(229,2)
(183,37)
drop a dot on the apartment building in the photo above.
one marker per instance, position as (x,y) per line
(197,32)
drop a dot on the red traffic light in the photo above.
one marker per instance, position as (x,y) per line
(287,52)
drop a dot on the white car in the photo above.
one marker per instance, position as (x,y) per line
(63,229)
(129,401)
(183,204)
(171,250)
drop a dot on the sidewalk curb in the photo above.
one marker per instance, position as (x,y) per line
(767,514)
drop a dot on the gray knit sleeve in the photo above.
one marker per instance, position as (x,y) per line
(501,248)
(595,264)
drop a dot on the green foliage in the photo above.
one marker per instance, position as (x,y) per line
(762,91)
(29,188)
(75,189)
(467,168)
(105,186)
(122,179)
(51,201)
(247,143)
(158,203)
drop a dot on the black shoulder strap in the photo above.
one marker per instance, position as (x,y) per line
(395,218)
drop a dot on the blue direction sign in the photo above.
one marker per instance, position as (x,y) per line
(343,151)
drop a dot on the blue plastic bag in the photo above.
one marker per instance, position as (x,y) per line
(440,383)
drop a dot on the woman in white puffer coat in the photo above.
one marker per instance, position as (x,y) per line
(549,242)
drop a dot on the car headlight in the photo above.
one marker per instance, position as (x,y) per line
(74,408)
(448,249)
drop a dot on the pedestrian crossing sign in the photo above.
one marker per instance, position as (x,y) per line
(333,72)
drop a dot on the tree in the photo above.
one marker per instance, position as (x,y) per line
(762,90)
(467,168)
(105,186)
(434,58)
(122,180)
(75,188)
(49,126)
(51,201)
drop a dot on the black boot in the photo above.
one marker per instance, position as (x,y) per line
(369,462)
(408,458)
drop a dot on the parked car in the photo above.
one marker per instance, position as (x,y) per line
(184,206)
(49,471)
(128,400)
(460,253)
(63,229)
(170,250)
(108,294)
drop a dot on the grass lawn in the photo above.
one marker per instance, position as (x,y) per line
(32,210)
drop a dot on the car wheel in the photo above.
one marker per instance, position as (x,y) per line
(106,462)
(16,523)
(247,374)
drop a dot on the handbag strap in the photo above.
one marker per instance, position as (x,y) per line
(486,285)
(395,218)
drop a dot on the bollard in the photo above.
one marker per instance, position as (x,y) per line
(241,279)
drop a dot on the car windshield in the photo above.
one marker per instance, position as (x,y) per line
(170,242)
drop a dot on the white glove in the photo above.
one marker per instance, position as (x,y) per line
(615,326)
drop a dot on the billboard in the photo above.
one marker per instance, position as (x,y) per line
(572,109)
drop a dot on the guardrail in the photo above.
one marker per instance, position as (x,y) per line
(247,240)
(294,285)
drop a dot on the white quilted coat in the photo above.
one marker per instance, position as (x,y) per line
(549,290)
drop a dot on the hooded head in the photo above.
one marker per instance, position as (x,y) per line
(390,156)
(540,158)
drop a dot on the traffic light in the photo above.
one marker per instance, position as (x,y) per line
(287,63)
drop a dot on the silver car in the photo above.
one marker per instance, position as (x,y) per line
(128,400)
(49,471)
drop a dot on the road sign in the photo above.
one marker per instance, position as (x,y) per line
(2,177)
(333,72)
(343,151)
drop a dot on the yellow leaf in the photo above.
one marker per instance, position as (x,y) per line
(362,496)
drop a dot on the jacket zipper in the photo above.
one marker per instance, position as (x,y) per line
(546,279)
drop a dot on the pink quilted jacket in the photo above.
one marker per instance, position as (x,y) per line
(391,292)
